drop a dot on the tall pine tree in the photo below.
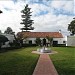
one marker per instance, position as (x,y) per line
(71,27)
(26,19)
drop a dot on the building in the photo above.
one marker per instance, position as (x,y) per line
(10,38)
(30,37)
(70,41)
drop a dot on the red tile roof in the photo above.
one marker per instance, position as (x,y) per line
(40,34)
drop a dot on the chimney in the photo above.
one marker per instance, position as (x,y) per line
(59,31)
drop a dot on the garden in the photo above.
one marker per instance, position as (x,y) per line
(23,62)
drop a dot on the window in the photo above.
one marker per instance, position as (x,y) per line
(55,42)
(64,41)
(30,41)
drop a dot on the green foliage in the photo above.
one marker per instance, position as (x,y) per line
(38,41)
(64,60)
(18,62)
(59,45)
(29,45)
(3,39)
(26,21)
(20,36)
(71,27)
(50,39)
(9,31)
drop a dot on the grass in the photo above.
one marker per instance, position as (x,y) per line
(18,62)
(22,61)
(64,60)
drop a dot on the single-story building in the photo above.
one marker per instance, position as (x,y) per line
(10,38)
(30,37)
(70,41)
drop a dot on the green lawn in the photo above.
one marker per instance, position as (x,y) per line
(22,61)
(64,60)
(18,62)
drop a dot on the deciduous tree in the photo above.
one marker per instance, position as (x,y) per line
(9,31)
(71,27)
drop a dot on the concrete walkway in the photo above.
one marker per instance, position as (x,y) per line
(45,66)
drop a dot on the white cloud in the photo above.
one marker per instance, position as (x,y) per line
(11,18)
(37,8)
(46,22)
(8,4)
(51,22)
(65,5)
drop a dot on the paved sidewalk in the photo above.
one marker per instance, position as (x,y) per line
(45,66)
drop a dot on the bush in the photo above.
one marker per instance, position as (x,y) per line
(38,41)
(9,48)
(29,45)
(59,45)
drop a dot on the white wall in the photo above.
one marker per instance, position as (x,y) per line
(10,38)
(6,45)
(70,41)
(33,40)
(27,40)
(60,40)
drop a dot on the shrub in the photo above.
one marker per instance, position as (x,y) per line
(59,45)
(29,45)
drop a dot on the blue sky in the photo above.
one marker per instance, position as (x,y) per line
(48,15)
